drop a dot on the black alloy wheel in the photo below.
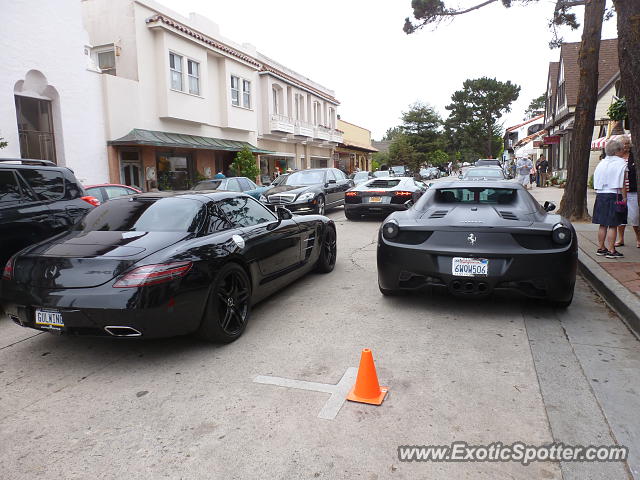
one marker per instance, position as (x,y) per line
(229,305)
(328,251)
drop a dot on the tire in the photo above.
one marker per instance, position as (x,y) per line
(328,252)
(351,216)
(228,306)
(562,304)
(390,293)
(321,206)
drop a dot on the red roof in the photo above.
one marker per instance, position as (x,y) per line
(515,127)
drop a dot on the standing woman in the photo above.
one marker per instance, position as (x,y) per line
(608,211)
(633,214)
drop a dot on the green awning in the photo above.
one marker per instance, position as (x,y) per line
(138,136)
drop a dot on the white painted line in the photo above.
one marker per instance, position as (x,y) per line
(338,391)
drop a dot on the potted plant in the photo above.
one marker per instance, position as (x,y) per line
(618,113)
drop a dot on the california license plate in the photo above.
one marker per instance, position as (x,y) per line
(49,318)
(375,199)
(470,267)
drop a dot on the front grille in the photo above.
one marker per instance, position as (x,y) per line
(281,198)
(383,183)
(508,215)
(534,242)
(439,214)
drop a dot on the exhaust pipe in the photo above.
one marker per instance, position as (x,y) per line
(121,331)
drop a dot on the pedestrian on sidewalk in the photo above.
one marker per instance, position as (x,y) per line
(633,214)
(523,168)
(608,181)
(533,174)
(543,167)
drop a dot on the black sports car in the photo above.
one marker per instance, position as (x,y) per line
(309,191)
(382,195)
(476,237)
(165,264)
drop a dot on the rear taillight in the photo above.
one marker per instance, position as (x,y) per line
(91,200)
(402,194)
(351,194)
(7,273)
(152,274)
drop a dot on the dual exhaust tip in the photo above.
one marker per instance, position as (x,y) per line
(469,287)
(122,331)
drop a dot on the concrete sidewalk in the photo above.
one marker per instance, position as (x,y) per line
(616,280)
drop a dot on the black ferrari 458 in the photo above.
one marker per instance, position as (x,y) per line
(474,238)
(165,264)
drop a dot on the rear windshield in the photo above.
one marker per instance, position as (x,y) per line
(476,195)
(164,215)
(484,172)
(383,183)
(213,185)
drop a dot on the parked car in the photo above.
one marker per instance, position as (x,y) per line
(309,191)
(382,195)
(400,171)
(163,264)
(37,200)
(473,238)
(361,177)
(231,184)
(483,162)
(483,173)
(382,173)
(107,191)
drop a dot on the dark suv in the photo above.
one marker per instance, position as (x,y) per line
(37,200)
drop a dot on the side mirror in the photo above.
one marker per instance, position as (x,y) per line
(284,213)
(331,181)
(549,206)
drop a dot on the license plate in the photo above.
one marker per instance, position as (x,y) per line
(470,267)
(49,318)
(375,199)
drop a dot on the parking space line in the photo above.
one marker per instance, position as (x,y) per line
(338,391)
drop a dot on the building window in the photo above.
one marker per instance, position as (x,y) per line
(299,104)
(316,113)
(107,61)
(276,100)
(246,93)
(561,95)
(235,91)
(193,72)
(175,67)
(35,128)
(332,114)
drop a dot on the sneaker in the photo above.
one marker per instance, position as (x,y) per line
(601,252)
(614,254)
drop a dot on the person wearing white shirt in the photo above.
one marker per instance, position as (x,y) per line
(608,181)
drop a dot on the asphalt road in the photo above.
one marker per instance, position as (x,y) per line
(503,369)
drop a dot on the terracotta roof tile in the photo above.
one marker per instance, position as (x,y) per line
(515,127)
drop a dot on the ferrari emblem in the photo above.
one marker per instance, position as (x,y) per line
(471,239)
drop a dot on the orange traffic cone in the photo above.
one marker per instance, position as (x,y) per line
(367,389)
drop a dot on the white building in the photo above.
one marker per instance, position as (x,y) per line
(181,100)
(524,139)
(50,94)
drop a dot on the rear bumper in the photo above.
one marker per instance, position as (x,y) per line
(373,208)
(153,313)
(535,274)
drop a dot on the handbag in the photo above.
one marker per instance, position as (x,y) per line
(621,204)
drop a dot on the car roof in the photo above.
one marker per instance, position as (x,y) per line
(37,164)
(478,184)
(110,185)
(201,195)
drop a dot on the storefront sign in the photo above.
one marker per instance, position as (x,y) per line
(551,140)
(537,144)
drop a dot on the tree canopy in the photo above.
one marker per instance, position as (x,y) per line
(476,111)
(536,105)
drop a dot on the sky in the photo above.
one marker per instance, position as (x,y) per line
(358,49)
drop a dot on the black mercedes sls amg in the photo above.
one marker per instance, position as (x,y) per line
(164,264)
(474,238)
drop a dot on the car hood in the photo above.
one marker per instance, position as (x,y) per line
(88,259)
(297,189)
(477,216)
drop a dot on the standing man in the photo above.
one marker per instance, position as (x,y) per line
(523,169)
(543,167)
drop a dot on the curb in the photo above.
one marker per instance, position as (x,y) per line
(618,297)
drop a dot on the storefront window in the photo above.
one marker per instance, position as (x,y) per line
(175,172)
